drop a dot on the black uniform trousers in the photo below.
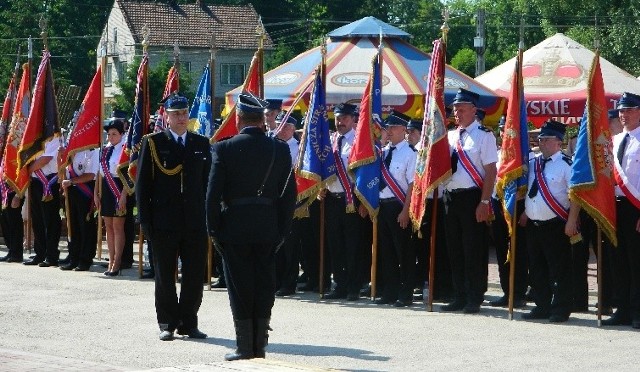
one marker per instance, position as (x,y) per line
(344,235)
(502,241)
(442,276)
(397,256)
(248,270)
(310,256)
(467,245)
(12,228)
(580,259)
(550,266)
(84,227)
(626,259)
(45,221)
(288,257)
(129,231)
(191,247)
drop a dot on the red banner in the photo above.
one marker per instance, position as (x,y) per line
(18,179)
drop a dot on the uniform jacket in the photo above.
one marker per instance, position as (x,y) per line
(170,198)
(239,167)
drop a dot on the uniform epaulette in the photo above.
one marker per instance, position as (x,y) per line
(567,159)
(412,148)
(485,129)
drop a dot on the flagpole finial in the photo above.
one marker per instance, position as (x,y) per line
(380,46)
(43,31)
(146,32)
(445,25)
(176,52)
(260,31)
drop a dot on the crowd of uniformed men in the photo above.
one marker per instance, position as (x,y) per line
(175,180)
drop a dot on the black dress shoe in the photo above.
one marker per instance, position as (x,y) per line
(333,295)
(454,306)
(65,261)
(617,319)
(33,262)
(14,259)
(501,302)
(558,318)
(112,273)
(47,263)
(401,303)
(219,284)
(4,259)
(68,267)
(383,301)
(166,336)
(149,275)
(471,308)
(82,268)
(536,313)
(192,333)
(283,292)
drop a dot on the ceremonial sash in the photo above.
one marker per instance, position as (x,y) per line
(548,198)
(46,184)
(111,183)
(84,188)
(467,164)
(392,184)
(627,188)
(342,175)
(4,190)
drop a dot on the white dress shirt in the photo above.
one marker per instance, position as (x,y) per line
(50,149)
(631,158)
(481,147)
(402,167)
(347,143)
(86,161)
(557,173)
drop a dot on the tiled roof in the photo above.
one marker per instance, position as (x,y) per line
(192,25)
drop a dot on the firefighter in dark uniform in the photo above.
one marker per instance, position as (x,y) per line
(171,187)
(250,204)
(468,193)
(550,219)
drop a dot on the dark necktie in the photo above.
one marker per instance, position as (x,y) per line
(339,147)
(535,186)
(387,164)
(109,153)
(180,141)
(622,148)
(454,154)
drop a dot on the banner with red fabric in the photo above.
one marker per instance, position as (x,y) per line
(172,85)
(18,179)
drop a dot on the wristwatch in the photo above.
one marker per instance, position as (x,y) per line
(485,201)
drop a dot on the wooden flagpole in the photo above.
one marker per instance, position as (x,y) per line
(512,260)
(432,249)
(323,72)
(98,186)
(28,201)
(599,275)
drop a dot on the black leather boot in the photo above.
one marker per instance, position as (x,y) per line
(244,340)
(261,334)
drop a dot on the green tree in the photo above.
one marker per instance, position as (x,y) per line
(465,61)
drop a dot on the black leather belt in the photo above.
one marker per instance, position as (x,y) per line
(546,222)
(337,195)
(257,200)
(459,191)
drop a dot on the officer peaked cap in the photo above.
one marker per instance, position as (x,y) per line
(552,128)
(274,104)
(175,102)
(397,118)
(345,109)
(628,100)
(247,102)
(290,120)
(465,96)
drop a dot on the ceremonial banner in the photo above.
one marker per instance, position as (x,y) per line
(172,85)
(127,165)
(17,178)
(433,165)
(513,171)
(364,160)
(7,111)
(253,85)
(592,182)
(87,128)
(201,115)
(42,124)
(315,163)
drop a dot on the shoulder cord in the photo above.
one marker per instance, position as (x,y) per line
(156,160)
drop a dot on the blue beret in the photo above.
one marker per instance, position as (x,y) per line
(247,102)
(274,104)
(345,109)
(465,96)
(628,100)
(415,124)
(290,120)
(552,128)
(480,114)
(175,102)
(613,114)
(397,118)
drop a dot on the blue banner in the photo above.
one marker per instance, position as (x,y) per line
(200,116)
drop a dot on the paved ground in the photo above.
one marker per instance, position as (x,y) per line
(71,321)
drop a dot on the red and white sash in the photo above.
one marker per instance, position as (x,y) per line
(627,188)
(342,175)
(46,184)
(113,187)
(392,184)
(83,187)
(467,164)
(548,198)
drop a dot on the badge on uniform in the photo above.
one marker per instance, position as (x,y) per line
(80,166)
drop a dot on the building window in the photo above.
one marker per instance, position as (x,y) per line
(232,74)
(115,35)
(108,79)
(122,70)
